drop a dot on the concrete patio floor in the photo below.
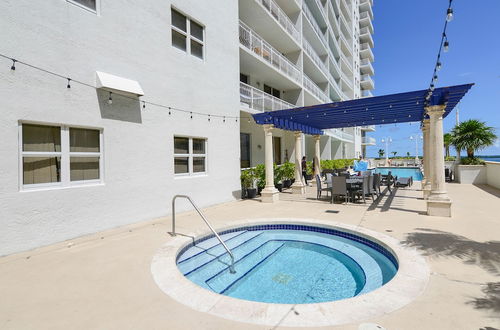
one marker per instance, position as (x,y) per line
(104,281)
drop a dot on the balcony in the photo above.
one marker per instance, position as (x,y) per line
(365,36)
(367,82)
(368,141)
(263,50)
(366,67)
(312,21)
(366,52)
(270,21)
(312,88)
(258,100)
(340,135)
(346,65)
(365,21)
(368,128)
(308,49)
(345,9)
(366,93)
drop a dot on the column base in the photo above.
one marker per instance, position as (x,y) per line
(438,207)
(269,195)
(427,190)
(298,188)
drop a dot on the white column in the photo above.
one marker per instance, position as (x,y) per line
(298,186)
(438,203)
(269,194)
(317,157)
(426,182)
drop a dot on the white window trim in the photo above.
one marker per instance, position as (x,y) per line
(97,10)
(190,155)
(188,35)
(64,154)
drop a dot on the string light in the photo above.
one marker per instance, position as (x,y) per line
(446,46)
(438,66)
(208,117)
(110,99)
(191,115)
(144,104)
(449,15)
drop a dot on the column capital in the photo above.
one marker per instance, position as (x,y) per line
(316,137)
(435,110)
(268,128)
(298,134)
(426,124)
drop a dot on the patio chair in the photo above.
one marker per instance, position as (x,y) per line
(319,188)
(365,189)
(371,186)
(403,182)
(339,187)
(448,174)
(376,183)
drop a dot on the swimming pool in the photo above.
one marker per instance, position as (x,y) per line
(402,172)
(288,264)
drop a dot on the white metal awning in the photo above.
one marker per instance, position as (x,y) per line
(117,84)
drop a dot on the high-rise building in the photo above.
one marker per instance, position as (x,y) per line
(300,53)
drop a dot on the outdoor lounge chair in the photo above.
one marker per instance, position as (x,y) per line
(339,187)
(319,188)
(403,182)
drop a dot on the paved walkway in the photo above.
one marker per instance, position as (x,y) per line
(103,281)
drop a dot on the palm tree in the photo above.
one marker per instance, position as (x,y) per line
(447,143)
(394,153)
(472,135)
(381,153)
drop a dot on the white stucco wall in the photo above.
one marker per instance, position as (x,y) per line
(132,40)
(471,174)
(493,174)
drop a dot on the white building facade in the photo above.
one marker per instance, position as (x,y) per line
(165,104)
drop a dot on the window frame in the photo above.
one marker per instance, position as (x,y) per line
(187,34)
(95,11)
(190,155)
(65,156)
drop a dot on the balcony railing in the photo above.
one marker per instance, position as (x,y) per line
(340,135)
(368,141)
(315,90)
(258,100)
(366,52)
(264,50)
(370,128)
(366,79)
(312,20)
(275,10)
(314,56)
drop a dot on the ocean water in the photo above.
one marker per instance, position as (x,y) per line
(490,158)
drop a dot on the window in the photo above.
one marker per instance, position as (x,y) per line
(59,155)
(271,90)
(89,4)
(277,150)
(244,150)
(190,155)
(187,35)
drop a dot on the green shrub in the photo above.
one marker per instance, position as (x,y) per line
(288,170)
(278,174)
(450,158)
(260,175)
(247,178)
(471,161)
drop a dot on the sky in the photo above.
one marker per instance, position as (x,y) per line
(407,38)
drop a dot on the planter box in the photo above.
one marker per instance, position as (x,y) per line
(470,174)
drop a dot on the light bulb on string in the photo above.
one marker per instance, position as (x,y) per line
(446,46)
(432,87)
(68,86)
(438,66)
(144,104)
(169,113)
(191,114)
(110,99)
(449,15)
(13,66)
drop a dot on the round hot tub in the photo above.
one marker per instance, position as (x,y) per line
(287,264)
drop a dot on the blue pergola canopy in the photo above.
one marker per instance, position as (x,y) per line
(378,110)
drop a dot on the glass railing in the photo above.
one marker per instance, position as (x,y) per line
(340,135)
(253,42)
(366,93)
(366,78)
(368,128)
(315,90)
(369,140)
(314,56)
(312,20)
(275,10)
(259,100)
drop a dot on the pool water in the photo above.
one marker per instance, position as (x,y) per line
(288,264)
(402,172)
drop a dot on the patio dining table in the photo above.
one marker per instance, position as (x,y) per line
(353,184)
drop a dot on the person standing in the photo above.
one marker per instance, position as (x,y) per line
(304,169)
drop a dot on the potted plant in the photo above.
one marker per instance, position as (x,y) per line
(472,135)
(260,176)
(247,181)
(278,177)
(288,172)
(309,171)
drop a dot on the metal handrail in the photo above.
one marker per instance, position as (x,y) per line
(231,268)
